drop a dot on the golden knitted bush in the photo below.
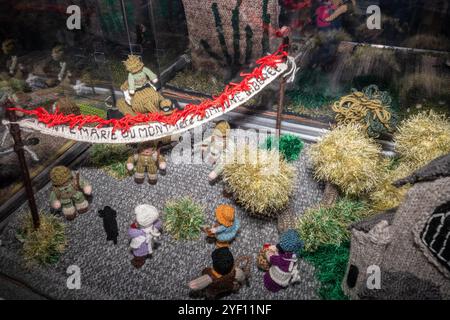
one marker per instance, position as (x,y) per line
(422,138)
(262,187)
(385,196)
(348,158)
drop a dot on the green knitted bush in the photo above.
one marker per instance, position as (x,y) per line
(330,263)
(290,146)
(329,225)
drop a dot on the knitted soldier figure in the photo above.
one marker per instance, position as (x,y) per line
(283,262)
(144,232)
(9,64)
(223,278)
(214,148)
(139,90)
(147,160)
(225,231)
(56,69)
(68,192)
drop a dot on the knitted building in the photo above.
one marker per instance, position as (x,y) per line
(224,33)
(411,244)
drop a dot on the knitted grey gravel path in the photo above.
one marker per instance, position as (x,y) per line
(106,272)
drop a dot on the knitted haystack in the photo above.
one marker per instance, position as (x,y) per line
(409,243)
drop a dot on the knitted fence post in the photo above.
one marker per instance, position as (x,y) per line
(18,148)
(282,91)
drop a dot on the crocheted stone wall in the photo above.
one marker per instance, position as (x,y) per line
(398,246)
(216,26)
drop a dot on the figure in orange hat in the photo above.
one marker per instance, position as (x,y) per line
(226,228)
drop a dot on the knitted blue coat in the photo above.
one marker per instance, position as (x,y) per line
(228,234)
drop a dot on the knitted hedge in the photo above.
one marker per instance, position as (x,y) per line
(330,263)
(262,187)
(348,158)
(329,225)
(183,218)
(289,145)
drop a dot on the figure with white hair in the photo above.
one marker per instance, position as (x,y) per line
(144,233)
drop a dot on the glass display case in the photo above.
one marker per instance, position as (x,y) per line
(349,98)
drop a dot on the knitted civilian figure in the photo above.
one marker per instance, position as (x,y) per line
(147,161)
(68,192)
(144,232)
(324,11)
(283,262)
(223,278)
(214,147)
(339,8)
(226,228)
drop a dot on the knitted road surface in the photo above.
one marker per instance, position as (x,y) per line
(106,271)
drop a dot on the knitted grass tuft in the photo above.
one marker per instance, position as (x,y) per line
(111,158)
(329,225)
(290,146)
(183,218)
(330,263)
(45,245)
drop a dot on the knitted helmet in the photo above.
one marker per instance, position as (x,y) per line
(223,127)
(133,64)
(60,175)
(165,103)
(225,215)
(146,215)
(290,241)
(146,145)
(223,261)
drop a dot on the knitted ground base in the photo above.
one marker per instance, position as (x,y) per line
(286,220)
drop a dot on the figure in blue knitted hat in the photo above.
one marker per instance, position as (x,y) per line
(282,259)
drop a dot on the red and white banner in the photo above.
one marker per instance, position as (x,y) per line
(149,127)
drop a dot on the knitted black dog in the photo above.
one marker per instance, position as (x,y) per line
(109,223)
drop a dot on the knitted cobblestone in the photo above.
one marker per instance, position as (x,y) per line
(106,272)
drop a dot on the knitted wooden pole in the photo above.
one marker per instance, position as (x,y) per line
(18,148)
(282,91)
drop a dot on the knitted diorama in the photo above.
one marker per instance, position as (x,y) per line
(407,243)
